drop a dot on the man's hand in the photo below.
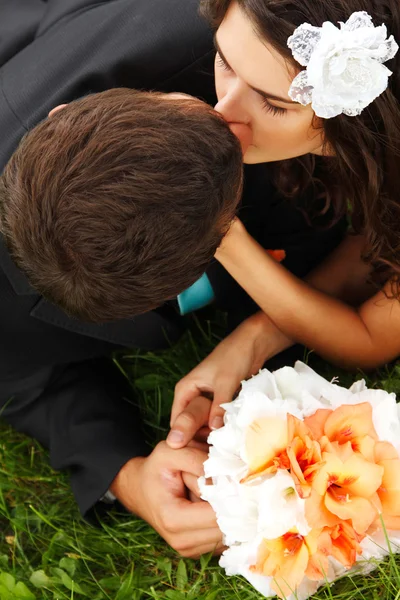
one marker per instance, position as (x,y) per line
(237,357)
(153,488)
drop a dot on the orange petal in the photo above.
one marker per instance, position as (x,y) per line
(291,572)
(265,439)
(345,544)
(316,423)
(263,554)
(365,445)
(295,450)
(350,421)
(319,550)
(389,492)
(317,514)
(330,464)
(390,523)
(343,451)
(361,477)
(385,451)
(358,510)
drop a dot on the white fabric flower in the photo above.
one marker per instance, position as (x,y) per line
(344,66)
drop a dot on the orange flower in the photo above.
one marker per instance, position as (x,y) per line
(348,423)
(289,558)
(274,443)
(266,442)
(304,454)
(388,459)
(316,423)
(345,488)
(345,543)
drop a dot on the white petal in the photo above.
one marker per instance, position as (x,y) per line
(358,386)
(256,406)
(357,20)
(303,42)
(279,511)
(301,91)
(376,546)
(263,382)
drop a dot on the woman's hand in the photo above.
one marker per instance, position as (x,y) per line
(237,357)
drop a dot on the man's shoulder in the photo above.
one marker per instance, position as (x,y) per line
(92,46)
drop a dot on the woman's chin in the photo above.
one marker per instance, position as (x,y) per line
(253,156)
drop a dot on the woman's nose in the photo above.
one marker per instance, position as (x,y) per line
(244,135)
(230,108)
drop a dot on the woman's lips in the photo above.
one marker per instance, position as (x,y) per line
(244,135)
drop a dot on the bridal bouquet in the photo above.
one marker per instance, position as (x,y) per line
(305,481)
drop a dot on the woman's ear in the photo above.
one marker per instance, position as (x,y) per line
(56,109)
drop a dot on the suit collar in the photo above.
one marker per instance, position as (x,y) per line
(16,277)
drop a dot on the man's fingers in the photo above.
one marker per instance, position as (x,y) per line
(190,482)
(198,551)
(202,435)
(206,549)
(194,417)
(185,392)
(188,460)
(222,396)
(203,446)
(191,514)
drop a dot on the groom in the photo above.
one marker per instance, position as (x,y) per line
(55,383)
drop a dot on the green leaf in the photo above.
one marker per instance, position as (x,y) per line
(111,584)
(39,579)
(69,583)
(165,565)
(69,565)
(5,594)
(212,595)
(148,382)
(22,592)
(8,581)
(205,560)
(181,576)
(3,560)
(125,591)
(175,595)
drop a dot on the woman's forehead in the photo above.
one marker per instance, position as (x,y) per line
(254,60)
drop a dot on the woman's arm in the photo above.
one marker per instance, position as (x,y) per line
(344,274)
(354,337)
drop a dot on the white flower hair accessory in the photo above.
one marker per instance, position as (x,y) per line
(344,66)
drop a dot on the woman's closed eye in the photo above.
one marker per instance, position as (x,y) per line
(275,110)
(271,108)
(222,63)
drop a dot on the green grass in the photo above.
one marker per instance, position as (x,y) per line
(47,551)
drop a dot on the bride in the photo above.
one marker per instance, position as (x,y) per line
(312,88)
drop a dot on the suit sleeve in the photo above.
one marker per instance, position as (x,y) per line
(83,47)
(82,414)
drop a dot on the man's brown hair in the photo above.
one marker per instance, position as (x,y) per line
(118,202)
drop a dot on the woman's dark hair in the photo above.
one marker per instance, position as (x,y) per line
(365,173)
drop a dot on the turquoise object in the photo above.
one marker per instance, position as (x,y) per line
(199,295)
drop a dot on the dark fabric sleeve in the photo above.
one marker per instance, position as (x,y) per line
(81,414)
(19,23)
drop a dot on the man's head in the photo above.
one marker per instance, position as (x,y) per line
(119,200)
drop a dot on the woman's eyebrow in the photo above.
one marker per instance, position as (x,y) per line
(265,95)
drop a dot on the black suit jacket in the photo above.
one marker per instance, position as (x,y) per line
(51,52)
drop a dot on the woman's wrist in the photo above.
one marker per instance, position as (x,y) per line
(268,340)
(236,233)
